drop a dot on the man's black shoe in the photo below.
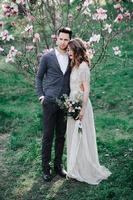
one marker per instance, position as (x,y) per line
(60,171)
(47,177)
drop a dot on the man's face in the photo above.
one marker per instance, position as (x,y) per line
(62,41)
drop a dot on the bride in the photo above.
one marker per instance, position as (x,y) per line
(82,155)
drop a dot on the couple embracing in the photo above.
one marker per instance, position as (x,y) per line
(65,71)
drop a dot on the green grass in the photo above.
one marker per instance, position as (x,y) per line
(21,127)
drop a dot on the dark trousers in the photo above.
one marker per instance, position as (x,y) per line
(54,123)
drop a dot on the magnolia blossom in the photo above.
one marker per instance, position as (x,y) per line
(87,3)
(95,38)
(13,51)
(29,28)
(108,28)
(119,18)
(117,51)
(21,2)
(70,17)
(127,14)
(100,14)
(9,58)
(19,53)
(11,55)
(118,7)
(30,48)
(1,49)
(13,23)
(36,38)
(71,1)
(45,51)
(9,10)
(54,37)
(90,53)
(30,17)
(78,8)
(5,36)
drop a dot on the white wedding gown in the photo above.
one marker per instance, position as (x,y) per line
(82,156)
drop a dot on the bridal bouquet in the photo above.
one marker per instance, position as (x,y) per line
(71,106)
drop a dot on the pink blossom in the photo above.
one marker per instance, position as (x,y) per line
(6,7)
(127,14)
(95,38)
(13,23)
(118,18)
(70,17)
(5,36)
(87,3)
(108,28)
(45,51)
(19,53)
(30,48)
(9,59)
(78,8)
(29,29)
(100,15)
(13,51)
(1,49)
(54,37)
(21,2)
(9,10)
(117,51)
(90,53)
(118,7)
(30,17)
(36,38)
(71,1)
(11,55)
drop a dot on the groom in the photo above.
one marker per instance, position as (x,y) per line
(52,81)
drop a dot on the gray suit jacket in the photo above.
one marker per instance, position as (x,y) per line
(50,81)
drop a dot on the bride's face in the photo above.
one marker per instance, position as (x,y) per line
(70,53)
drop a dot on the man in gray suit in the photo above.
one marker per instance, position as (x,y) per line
(52,81)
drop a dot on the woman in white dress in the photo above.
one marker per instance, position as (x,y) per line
(82,155)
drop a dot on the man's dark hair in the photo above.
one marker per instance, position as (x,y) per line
(65,30)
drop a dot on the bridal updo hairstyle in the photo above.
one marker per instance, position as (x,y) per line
(79,51)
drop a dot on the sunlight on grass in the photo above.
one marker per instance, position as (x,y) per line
(54,189)
(24,184)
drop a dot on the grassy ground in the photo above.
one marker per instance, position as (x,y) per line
(20,134)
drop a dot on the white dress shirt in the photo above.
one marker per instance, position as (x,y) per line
(62,60)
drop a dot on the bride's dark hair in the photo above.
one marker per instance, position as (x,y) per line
(79,50)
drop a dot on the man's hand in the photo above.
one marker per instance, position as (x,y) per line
(41,99)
